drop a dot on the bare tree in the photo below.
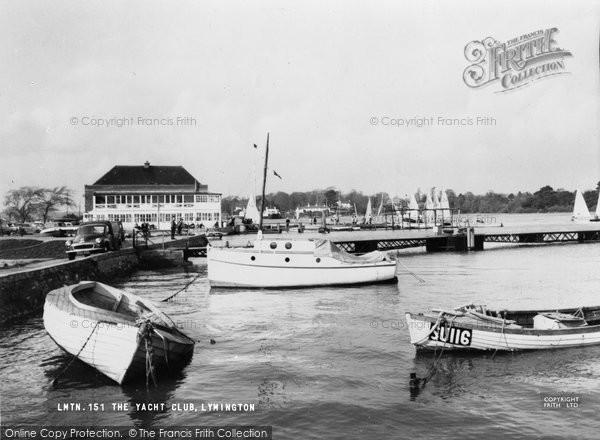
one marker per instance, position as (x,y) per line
(51,198)
(22,203)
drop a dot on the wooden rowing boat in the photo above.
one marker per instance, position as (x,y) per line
(120,334)
(476,328)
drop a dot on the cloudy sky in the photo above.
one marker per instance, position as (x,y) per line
(325,78)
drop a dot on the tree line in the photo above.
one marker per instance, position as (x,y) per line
(546,199)
(30,203)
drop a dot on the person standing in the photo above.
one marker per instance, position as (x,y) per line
(173,228)
(180,226)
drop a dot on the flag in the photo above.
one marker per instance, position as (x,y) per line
(255,146)
(275,172)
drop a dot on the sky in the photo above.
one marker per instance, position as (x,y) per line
(326,79)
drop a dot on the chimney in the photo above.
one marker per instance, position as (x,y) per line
(146,165)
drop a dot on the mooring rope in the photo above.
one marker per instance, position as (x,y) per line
(500,338)
(419,383)
(145,332)
(55,380)
(417,277)
(181,290)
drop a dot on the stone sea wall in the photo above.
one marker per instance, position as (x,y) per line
(23,293)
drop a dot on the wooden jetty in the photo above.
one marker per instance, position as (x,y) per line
(459,240)
(468,240)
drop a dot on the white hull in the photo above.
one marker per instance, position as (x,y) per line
(256,268)
(107,340)
(485,336)
(580,209)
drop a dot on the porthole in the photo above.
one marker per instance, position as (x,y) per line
(288,245)
(253,258)
(273,245)
(287,260)
(318,260)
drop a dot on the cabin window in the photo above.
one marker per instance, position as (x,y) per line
(273,245)
(288,245)
(318,260)
(287,260)
(253,258)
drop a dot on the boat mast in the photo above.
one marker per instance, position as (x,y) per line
(262,201)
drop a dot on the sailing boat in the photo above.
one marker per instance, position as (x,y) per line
(445,206)
(251,210)
(380,210)
(368,212)
(596,217)
(580,209)
(412,216)
(283,263)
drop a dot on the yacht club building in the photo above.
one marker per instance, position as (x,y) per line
(151,194)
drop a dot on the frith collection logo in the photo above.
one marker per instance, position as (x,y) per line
(515,63)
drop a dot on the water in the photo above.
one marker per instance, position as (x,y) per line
(334,363)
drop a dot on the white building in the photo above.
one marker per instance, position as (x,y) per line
(151,194)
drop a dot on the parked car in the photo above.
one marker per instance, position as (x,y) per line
(94,237)
(29,228)
(20,229)
(40,226)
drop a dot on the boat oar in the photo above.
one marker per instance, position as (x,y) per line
(181,290)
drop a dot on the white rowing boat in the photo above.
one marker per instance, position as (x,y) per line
(273,263)
(120,334)
(476,328)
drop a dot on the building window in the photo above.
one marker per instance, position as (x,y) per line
(136,199)
(110,199)
(202,198)
(188,198)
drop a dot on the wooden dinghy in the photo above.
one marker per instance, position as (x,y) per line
(120,334)
(476,328)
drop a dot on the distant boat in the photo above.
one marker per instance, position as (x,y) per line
(412,216)
(596,217)
(251,211)
(580,209)
(445,205)
(114,331)
(368,212)
(476,328)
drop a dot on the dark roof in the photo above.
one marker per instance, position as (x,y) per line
(147,175)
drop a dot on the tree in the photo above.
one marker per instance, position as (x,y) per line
(50,199)
(331,197)
(22,203)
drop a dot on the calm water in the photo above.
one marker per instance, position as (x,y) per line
(334,363)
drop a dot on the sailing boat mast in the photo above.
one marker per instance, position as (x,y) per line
(262,201)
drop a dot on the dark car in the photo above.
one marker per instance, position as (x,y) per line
(94,237)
